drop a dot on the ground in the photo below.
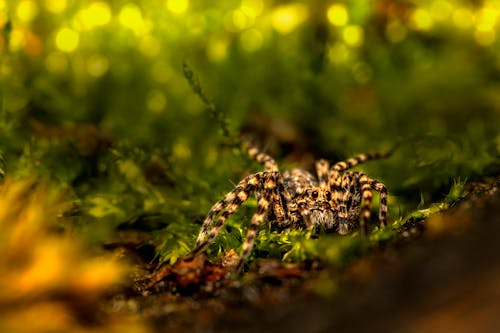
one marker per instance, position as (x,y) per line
(441,278)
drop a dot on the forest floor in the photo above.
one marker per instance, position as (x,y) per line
(440,274)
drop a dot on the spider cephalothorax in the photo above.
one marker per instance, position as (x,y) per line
(332,201)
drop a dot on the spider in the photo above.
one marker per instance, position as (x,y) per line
(332,201)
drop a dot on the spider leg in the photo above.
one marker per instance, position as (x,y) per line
(230,203)
(270,187)
(345,197)
(271,166)
(366,192)
(335,181)
(361,158)
(322,167)
(263,158)
(367,184)
(278,202)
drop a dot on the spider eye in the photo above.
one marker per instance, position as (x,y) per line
(314,194)
(328,195)
(302,205)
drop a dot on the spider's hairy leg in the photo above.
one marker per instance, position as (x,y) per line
(230,203)
(367,184)
(345,200)
(270,186)
(382,190)
(267,161)
(361,158)
(280,212)
(335,180)
(366,192)
(322,167)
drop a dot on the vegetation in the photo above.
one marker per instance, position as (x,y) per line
(132,111)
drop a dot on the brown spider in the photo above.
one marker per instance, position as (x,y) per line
(296,199)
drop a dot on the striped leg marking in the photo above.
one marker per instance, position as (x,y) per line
(257,219)
(336,187)
(361,158)
(267,161)
(367,184)
(270,190)
(366,192)
(322,167)
(230,203)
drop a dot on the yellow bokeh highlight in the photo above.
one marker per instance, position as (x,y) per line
(488,17)
(288,17)
(96,14)
(421,19)
(177,6)
(240,20)
(353,35)
(441,10)
(463,18)
(67,40)
(217,49)
(338,15)
(484,35)
(339,53)
(26,10)
(251,40)
(252,8)
(55,6)
(17,40)
(149,46)
(130,16)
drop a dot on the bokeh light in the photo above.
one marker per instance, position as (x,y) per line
(251,40)
(441,10)
(338,15)
(67,40)
(150,46)
(252,8)
(339,53)
(237,20)
(353,35)
(55,6)
(217,49)
(177,6)
(96,14)
(463,17)
(421,19)
(484,35)
(130,16)
(17,40)
(27,10)
(288,17)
